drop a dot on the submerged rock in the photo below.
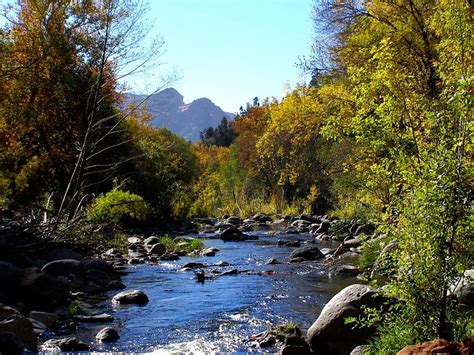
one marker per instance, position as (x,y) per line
(130,297)
(107,334)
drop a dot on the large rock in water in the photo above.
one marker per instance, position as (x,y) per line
(330,335)
(306,254)
(130,297)
(234,235)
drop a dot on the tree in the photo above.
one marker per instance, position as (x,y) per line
(408,68)
(60,120)
(223,135)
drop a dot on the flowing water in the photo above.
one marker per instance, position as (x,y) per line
(220,314)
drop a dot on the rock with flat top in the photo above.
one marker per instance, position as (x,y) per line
(130,297)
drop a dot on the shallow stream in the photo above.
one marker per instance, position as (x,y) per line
(220,314)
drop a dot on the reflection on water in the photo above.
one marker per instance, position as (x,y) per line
(220,314)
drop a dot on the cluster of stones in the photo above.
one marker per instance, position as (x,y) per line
(151,250)
(47,289)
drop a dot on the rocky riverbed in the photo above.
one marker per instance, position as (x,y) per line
(251,276)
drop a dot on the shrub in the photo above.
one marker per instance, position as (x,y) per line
(187,245)
(118,207)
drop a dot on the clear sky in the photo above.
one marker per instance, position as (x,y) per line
(232,50)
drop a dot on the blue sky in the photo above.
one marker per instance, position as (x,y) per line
(231,50)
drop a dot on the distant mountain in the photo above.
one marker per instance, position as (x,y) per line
(168,110)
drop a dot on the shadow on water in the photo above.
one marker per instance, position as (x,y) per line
(221,313)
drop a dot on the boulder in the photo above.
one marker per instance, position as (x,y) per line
(130,297)
(233,234)
(39,288)
(38,327)
(329,334)
(66,345)
(208,252)
(46,318)
(10,344)
(157,249)
(230,272)
(440,346)
(101,265)
(107,334)
(351,242)
(307,254)
(345,270)
(151,241)
(63,253)
(22,328)
(65,267)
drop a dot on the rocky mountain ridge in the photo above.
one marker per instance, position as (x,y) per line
(169,110)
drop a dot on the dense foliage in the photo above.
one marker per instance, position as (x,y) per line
(64,138)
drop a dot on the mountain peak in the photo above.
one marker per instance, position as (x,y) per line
(169,110)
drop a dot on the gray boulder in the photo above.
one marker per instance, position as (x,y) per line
(330,335)
(130,297)
(101,265)
(65,267)
(307,254)
(107,334)
(234,235)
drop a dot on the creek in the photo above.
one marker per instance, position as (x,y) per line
(220,314)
